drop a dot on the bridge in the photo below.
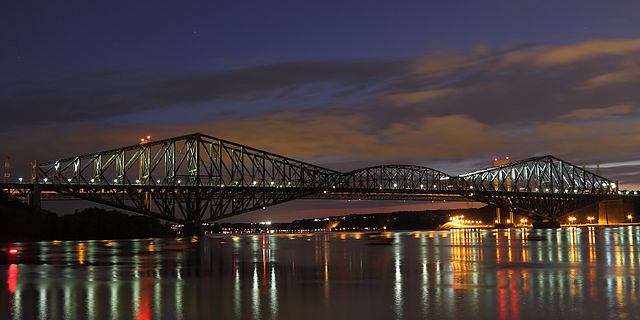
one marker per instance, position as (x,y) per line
(198,178)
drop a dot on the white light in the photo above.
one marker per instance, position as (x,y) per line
(158,181)
(395,185)
(115,180)
(137,181)
(471,187)
(69,179)
(255,182)
(45,179)
(20,179)
(178,181)
(92,180)
(421,186)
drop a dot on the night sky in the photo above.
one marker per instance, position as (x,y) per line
(444,84)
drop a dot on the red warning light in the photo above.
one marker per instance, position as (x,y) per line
(148,137)
(13,251)
(141,139)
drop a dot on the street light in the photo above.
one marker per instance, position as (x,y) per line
(630,217)
(590,219)
(572,219)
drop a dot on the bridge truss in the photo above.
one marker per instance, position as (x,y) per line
(198,178)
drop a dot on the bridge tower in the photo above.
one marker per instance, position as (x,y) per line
(144,174)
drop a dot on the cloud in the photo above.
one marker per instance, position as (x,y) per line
(599,113)
(588,50)
(627,74)
(421,96)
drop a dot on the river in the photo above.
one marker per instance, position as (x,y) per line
(575,273)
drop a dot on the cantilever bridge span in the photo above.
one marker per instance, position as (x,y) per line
(198,178)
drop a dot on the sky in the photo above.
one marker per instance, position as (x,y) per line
(444,84)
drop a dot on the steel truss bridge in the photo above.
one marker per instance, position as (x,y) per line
(198,178)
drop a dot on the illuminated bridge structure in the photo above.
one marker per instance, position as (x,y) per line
(198,178)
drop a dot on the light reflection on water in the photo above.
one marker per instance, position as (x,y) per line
(575,273)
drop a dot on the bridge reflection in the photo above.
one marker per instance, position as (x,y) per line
(452,274)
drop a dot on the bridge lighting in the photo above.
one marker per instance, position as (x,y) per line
(471,187)
(590,219)
(141,139)
(45,179)
(178,181)
(158,181)
(630,217)
(507,157)
(421,186)
(148,137)
(137,181)
(536,189)
(69,180)
(255,182)
(395,185)
(115,180)
(546,190)
(557,190)
(508,220)
(92,180)
(20,179)
(271,182)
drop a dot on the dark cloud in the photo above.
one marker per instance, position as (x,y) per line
(100,95)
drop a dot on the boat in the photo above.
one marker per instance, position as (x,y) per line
(379,238)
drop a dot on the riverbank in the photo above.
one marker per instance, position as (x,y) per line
(18,222)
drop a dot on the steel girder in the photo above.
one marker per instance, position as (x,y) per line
(398,178)
(541,187)
(196,178)
(190,178)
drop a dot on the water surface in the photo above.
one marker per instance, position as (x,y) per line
(589,273)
